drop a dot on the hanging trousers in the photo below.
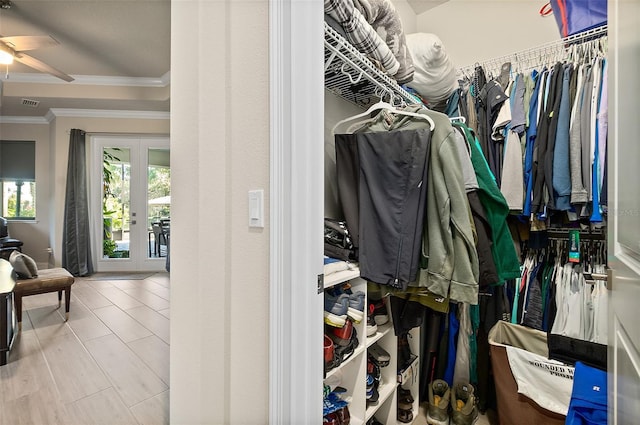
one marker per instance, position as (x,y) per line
(390,200)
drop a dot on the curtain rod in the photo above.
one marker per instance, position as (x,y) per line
(560,45)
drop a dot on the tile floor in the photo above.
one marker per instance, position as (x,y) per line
(109,364)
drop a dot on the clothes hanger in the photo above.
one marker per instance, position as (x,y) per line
(382,105)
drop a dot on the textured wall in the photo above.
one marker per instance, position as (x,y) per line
(220,267)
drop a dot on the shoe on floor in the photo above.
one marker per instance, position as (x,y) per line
(463,405)
(439,398)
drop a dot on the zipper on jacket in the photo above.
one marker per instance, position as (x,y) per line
(398,260)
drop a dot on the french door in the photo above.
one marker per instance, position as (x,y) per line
(130,202)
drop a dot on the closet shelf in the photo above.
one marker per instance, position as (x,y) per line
(352,76)
(357,352)
(382,331)
(336,278)
(385,390)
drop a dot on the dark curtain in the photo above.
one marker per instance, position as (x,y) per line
(76,244)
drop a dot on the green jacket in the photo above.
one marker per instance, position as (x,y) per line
(503,252)
(451,269)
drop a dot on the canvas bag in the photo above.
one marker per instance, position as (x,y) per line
(575,16)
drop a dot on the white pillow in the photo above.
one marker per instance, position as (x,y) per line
(435,77)
(24,265)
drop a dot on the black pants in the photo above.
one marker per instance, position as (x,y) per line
(390,200)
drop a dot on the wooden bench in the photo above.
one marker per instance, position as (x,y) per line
(48,280)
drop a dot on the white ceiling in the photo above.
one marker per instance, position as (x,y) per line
(118,51)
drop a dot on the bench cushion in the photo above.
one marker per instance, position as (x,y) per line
(47,280)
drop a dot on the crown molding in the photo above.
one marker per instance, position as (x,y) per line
(106,113)
(95,80)
(24,120)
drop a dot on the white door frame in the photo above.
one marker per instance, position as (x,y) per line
(624,228)
(297,210)
(139,260)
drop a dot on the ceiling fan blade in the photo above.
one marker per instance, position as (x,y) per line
(41,66)
(29,42)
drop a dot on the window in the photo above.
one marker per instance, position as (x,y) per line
(17,175)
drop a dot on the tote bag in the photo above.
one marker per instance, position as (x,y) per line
(574,16)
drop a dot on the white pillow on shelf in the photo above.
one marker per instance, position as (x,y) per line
(435,77)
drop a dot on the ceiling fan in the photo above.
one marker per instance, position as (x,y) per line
(14,47)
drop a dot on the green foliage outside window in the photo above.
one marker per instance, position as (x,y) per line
(27,192)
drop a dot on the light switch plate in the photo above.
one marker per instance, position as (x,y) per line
(256,208)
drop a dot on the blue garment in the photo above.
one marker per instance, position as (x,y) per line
(595,179)
(588,405)
(561,166)
(531,139)
(474,313)
(454,325)
(453,105)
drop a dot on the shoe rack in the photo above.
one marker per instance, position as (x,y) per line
(351,374)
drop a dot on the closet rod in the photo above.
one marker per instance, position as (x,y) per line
(563,234)
(560,45)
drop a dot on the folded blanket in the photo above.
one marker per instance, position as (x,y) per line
(362,35)
(385,20)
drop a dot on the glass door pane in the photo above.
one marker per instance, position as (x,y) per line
(134,193)
(158,201)
(116,202)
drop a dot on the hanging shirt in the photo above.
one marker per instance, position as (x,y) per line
(512,187)
(595,208)
(561,168)
(496,209)
(530,142)
(585,132)
(518,116)
(578,191)
(491,99)
(555,93)
(603,123)
(545,142)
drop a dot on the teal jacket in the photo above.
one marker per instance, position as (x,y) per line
(496,208)
(451,266)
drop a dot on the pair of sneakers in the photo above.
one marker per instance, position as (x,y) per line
(456,406)
(338,307)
